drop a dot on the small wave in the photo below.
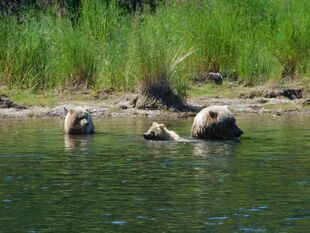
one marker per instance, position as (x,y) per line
(119,222)
(22,156)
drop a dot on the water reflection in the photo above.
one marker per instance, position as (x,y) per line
(74,143)
(199,148)
(210,148)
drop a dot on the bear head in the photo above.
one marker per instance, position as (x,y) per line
(78,121)
(215,122)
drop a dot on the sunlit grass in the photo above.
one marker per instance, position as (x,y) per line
(48,98)
(31,99)
(227,90)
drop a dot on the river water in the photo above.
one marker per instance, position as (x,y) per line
(115,181)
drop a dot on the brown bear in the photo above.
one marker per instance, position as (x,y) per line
(161,133)
(78,121)
(215,122)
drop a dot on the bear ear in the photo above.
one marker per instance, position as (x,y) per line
(154,123)
(71,111)
(161,126)
(213,114)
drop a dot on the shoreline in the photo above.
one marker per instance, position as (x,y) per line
(119,105)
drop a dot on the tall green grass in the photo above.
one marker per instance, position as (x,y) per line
(23,62)
(158,53)
(106,48)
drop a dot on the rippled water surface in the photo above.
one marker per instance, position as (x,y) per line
(115,181)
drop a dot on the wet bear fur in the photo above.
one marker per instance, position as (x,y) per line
(78,121)
(161,133)
(215,122)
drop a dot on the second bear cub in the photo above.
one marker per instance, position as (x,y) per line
(161,133)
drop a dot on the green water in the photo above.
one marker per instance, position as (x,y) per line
(115,181)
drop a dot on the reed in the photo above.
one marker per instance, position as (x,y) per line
(107,48)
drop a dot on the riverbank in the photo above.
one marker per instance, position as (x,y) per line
(268,99)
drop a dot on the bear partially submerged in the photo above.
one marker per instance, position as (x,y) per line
(215,122)
(78,121)
(161,133)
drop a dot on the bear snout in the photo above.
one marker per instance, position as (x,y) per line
(239,133)
(84,123)
(146,136)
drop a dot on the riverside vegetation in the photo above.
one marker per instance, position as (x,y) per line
(101,46)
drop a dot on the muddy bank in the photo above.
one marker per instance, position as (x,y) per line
(120,105)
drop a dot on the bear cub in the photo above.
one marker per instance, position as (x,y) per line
(161,133)
(215,122)
(78,121)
